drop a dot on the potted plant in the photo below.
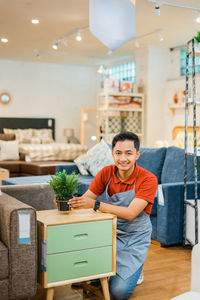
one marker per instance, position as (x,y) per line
(65,187)
(197,41)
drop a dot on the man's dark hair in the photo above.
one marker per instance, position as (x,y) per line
(127,135)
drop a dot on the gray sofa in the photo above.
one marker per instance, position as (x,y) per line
(18,257)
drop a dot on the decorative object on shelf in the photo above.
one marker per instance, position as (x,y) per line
(69,135)
(5,98)
(111,85)
(126,86)
(112,21)
(65,187)
(179,97)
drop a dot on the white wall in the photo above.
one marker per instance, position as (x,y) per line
(155,94)
(48,90)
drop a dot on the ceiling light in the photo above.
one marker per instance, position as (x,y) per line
(64,42)
(157,9)
(79,37)
(110,52)
(4,40)
(137,44)
(198,19)
(160,37)
(35,21)
(55,46)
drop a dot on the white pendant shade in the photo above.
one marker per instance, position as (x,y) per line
(112,21)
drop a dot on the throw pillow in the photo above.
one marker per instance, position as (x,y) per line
(98,157)
(9,150)
(7,137)
(79,161)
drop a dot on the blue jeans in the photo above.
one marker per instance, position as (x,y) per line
(122,289)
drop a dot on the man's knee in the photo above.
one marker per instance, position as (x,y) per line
(120,291)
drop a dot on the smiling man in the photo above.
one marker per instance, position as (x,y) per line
(130,192)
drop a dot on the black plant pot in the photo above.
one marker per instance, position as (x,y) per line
(63,204)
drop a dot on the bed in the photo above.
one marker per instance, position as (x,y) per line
(36,138)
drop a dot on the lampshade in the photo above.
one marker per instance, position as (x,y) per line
(68,132)
(112,21)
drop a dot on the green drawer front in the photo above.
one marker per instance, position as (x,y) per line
(77,236)
(64,266)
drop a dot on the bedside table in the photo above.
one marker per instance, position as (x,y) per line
(76,246)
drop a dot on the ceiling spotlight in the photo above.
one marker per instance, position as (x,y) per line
(157,9)
(137,44)
(4,40)
(35,21)
(64,42)
(198,19)
(160,37)
(79,37)
(55,46)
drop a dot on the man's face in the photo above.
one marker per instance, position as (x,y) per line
(125,155)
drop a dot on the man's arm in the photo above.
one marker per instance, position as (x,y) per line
(88,199)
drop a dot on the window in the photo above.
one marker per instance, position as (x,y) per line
(183,63)
(126,71)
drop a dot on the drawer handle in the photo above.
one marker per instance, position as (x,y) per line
(80,264)
(81,236)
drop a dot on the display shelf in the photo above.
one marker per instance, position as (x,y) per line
(115,117)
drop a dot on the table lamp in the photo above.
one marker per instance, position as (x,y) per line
(69,134)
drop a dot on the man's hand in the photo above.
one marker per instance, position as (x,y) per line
(81,202)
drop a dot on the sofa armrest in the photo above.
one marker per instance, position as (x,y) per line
(170,212)
(72,167)
(22,252)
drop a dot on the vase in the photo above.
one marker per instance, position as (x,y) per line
(63,205)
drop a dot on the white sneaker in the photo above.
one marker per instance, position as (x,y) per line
(140,279)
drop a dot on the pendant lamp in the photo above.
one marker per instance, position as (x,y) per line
(112,21)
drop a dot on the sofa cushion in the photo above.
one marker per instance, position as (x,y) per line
(173,168)
(13,166)
(9,150)
(7,137)
(152,159)
(98,157)
(3,261)
(84,183)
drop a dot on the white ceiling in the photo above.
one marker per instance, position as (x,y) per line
(59,17)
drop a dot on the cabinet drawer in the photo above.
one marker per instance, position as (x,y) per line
(69,265)
(77,236)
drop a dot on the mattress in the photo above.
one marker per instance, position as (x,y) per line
(54,151)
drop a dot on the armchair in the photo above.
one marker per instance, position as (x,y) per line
(18,249)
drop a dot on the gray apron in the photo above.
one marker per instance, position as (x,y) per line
(133,238)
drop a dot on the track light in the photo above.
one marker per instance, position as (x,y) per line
(4,40)
(55,46)
(79,37)
(160,37)
(137,44)
(35,21)
(157,9)
(64,42)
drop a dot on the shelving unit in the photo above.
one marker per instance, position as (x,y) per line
(191,227)
(119,112)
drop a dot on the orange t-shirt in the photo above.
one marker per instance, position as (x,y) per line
(145,184)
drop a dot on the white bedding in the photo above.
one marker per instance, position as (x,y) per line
(54,151)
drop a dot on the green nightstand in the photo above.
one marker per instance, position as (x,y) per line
(76,246)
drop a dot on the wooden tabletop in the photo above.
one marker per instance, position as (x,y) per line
(54,217)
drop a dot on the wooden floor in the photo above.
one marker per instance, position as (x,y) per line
(166,275)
